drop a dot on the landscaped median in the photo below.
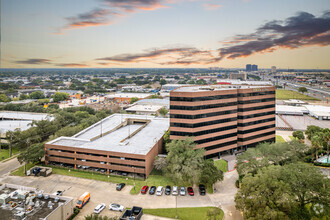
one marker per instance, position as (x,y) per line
(194,213)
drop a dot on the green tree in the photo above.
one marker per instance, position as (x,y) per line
(33,154)
(160,163)
(43,101)
(163,111)
(184,164)
(60,96)
(299,135)
(210,174)
(311,130)
(4,98)
(283,192)
(99,217)
(80,115)
(162,82)
(37,95)
(134,99)
(302,89)
(23,96)
(317,141)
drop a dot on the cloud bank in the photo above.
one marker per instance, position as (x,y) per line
(301,30)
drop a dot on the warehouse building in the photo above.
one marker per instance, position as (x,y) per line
(223,118)
(119,143)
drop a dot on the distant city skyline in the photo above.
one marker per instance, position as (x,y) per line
(291,34)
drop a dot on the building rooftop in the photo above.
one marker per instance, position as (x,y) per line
(12,115)
(129,95)
(145,108)
(162,102)
(125,133)
(215,88)
(10,125)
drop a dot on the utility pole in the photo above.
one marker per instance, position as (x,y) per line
(11,138)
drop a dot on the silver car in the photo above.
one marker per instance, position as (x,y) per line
(182,191)
(116,207)
(175,191)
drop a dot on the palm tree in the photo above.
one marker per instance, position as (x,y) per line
(317,141)
(326,139)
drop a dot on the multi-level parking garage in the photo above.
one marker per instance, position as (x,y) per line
(120,142)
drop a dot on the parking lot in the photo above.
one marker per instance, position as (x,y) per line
(103,192)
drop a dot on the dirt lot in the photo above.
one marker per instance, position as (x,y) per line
(103,192)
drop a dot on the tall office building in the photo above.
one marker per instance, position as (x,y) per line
(254,67)
(248,68)
(223,118)
(273,70)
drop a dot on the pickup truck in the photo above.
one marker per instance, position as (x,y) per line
(134,214)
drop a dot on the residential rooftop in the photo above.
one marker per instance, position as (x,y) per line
(124,133)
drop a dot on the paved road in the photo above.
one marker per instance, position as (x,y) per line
(8,166)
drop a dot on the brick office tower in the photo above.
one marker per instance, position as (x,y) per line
(223,118)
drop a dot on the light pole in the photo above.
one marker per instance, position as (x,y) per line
(176,206)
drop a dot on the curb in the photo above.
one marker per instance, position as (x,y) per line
(5,160)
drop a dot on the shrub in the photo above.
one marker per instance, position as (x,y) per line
(75,212)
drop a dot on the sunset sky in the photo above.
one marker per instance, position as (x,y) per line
(165,33)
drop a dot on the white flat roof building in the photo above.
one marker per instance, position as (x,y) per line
(123,133)
(129,95)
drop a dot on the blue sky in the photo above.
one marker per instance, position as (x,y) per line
(164,33)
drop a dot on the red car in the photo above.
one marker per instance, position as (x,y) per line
(144,189)
(190,191)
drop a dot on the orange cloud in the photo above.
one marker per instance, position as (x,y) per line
(209,6)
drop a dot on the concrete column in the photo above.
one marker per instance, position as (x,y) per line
(75,159)
(108,164)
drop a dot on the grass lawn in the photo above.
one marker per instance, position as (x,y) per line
(4,153)
(195,213)
(279,139)
(20,170)
(292,138)
(221,165)
(283,94)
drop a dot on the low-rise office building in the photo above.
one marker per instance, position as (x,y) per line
(118,143)
(223,117)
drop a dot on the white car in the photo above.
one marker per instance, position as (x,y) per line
(116,207)
(175,191)
(159,191)
(98,209)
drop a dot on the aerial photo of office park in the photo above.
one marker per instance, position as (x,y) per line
(159,110)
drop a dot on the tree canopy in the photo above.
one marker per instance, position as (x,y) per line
(284,192)
(184,164)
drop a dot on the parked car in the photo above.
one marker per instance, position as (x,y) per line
(175,191)
(190,191)
(152,190)
(98,209)
(58,193)
(144,189)
(182,191)
(202,190)
(116,207)
(120,186)
(168,190)
(159,191)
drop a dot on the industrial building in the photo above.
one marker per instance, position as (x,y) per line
(21,202)
(120,143)
(223,118)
